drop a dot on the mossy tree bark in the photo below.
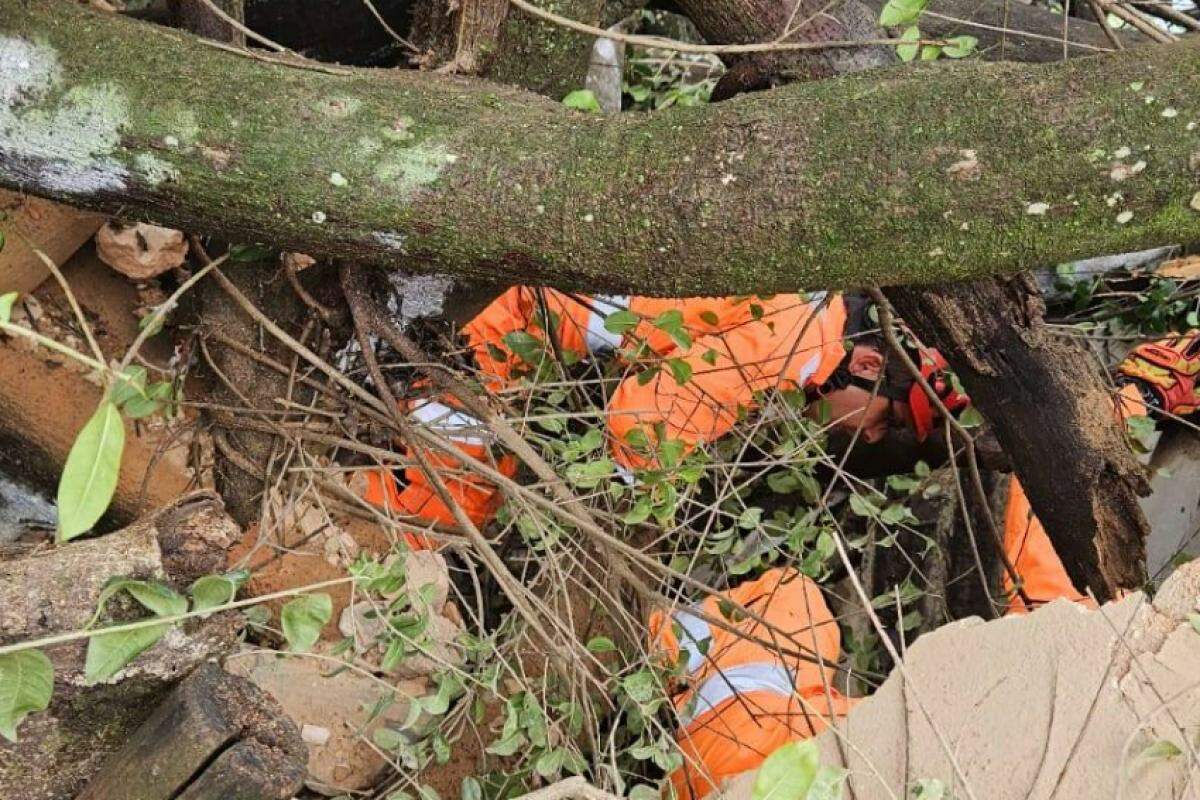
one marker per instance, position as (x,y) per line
(828,184)
(1052,413)
(1079,474)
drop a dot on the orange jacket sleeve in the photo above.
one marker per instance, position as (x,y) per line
(794,343)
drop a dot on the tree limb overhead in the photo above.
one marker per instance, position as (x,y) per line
(836,183)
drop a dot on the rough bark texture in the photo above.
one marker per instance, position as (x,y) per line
(488,39)
(234,380)
(195,16)
(186,745)
(466,177)
(55,591)
(1054,417)
(751,21)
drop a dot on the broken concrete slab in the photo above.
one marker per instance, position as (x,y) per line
(1173,506)
(1064,702)
(339,708)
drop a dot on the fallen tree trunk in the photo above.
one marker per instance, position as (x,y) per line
(836,183)
(1052,413)
(47,592)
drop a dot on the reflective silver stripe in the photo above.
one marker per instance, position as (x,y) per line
(451,422)
(756,677)
(808,370)
(598,337)
(695,633)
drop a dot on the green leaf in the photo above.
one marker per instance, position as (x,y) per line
(1161,749)
(129,386)
(644,792)
(527,346)
(156,597)
(303,619)
(787,773)
(640,686)
(150,401)
(750,518)
(901,12)
(862,506)
(960,46)
(931,52)
(211,591)
(621,322)
(550,762)
(582,100)
(907,52)
(1194,619)
(107,653)
(508,745)
(26,683)
(601,644)
(970,417)
(90,475)
(680,369)
(710,318)
(245,253)
(6,306)
(470,789)
(2,241)
(827,785)
(639,513)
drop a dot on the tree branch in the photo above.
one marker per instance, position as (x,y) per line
(829,184)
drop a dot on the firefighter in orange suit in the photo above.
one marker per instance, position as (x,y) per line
(741,698)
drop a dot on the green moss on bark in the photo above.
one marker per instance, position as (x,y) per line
(830,184)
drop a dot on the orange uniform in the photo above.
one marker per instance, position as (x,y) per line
(743,698)
(734,347)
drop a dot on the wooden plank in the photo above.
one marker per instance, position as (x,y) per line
(56,229)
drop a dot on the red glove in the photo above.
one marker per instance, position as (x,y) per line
(935,370)
(1167,368)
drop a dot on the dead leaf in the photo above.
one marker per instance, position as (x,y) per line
(1186,268)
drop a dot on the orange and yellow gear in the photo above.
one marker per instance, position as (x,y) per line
(1170,369)
(752,689)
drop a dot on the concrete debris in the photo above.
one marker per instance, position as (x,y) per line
(1063,702)
(427,586)
(141,251)
(339,711)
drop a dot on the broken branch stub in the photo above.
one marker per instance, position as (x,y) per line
(56,590)
(213,737)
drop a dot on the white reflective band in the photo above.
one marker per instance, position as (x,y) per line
(451,422)
(816,298)
(598,337)
(808,370)
(695,633)
(757,677)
